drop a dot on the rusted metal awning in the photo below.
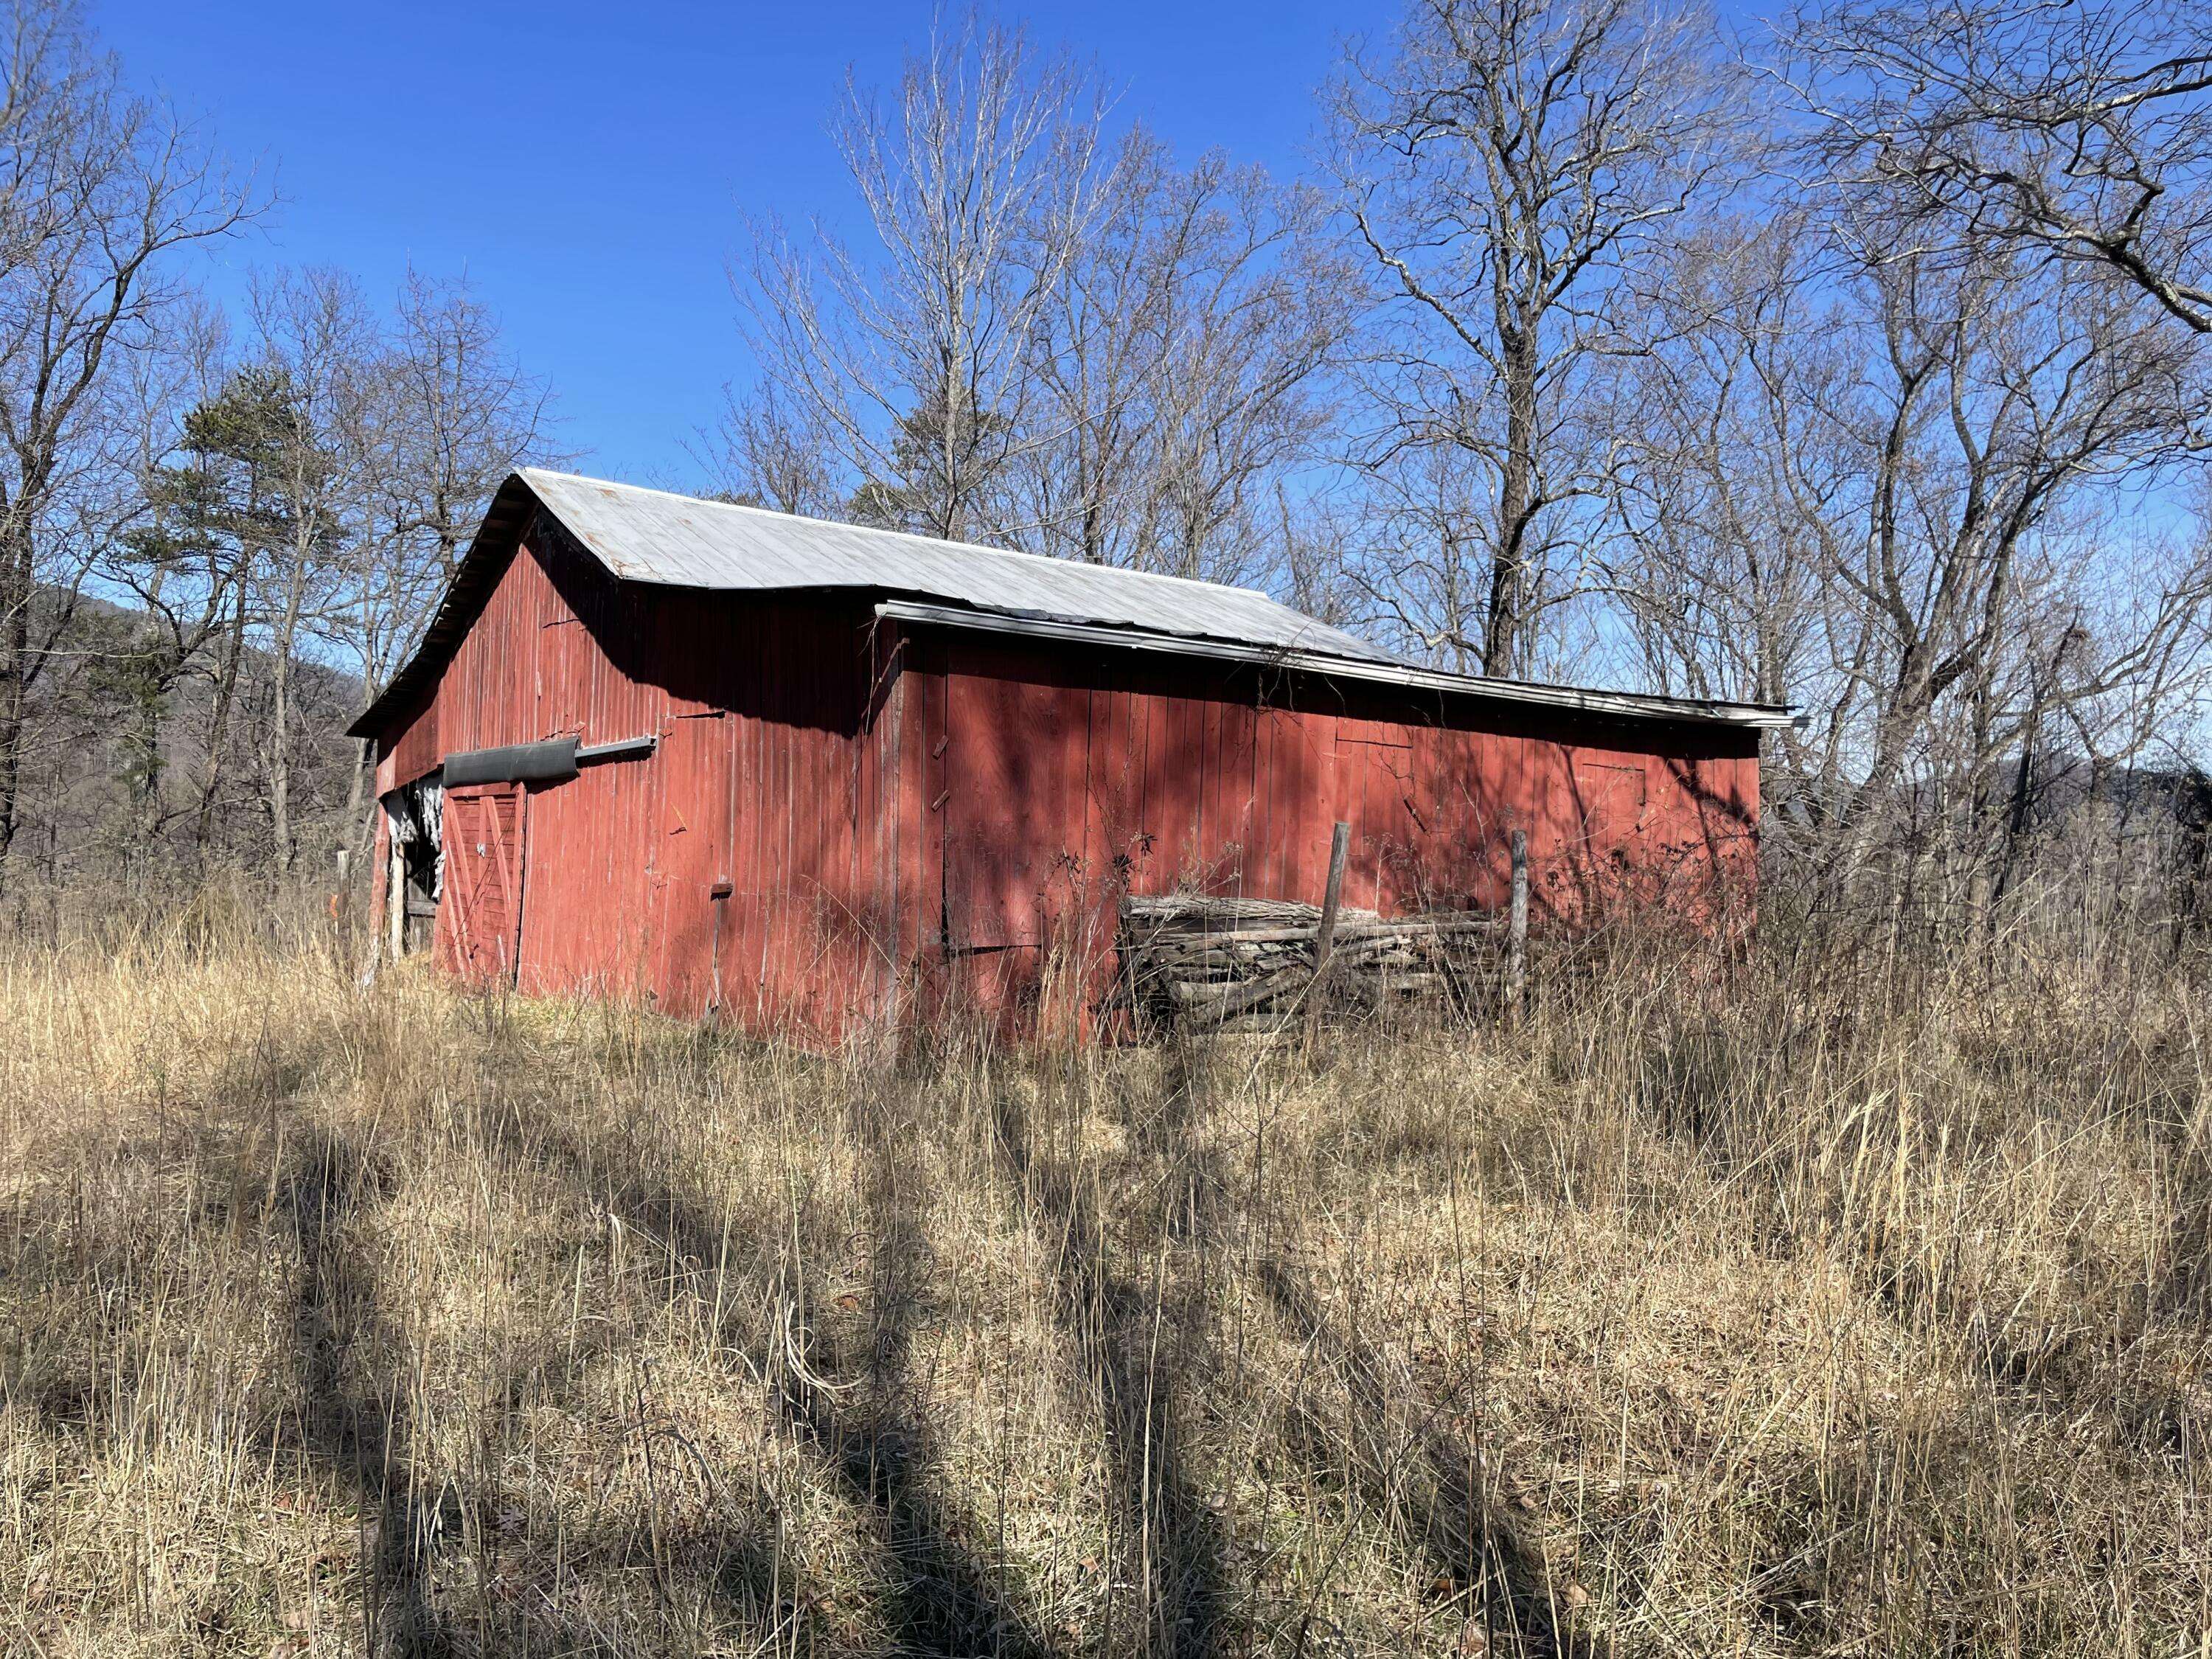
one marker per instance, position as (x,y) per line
(554,761)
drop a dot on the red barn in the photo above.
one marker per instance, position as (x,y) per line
(730,760)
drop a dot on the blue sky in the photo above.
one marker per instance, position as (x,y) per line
(588,166)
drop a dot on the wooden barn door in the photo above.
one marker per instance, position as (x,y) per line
(1014,751)
(693,926)
(480,914)
(1374,788)
(1610,798)
(1017,803)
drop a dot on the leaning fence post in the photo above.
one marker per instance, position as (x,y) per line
(1516,937)
(1339,846)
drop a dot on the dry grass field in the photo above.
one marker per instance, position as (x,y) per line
(1804,1308)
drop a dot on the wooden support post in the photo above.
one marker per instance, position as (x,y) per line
(718,897)
(395,890)
(1517,936)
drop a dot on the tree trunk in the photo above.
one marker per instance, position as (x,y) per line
(219,727)
(280,757)
(364,762)
(160,668)
(15,594)
(1505,642)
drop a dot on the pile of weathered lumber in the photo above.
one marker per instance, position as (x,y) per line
(1249,964)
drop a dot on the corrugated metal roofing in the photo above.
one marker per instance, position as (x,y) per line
(679,540)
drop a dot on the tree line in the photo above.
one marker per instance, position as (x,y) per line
(218,528)
(1857,362)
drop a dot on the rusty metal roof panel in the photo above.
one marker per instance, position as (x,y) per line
(679,540)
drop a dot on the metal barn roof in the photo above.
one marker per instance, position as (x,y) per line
(654,537)
(679,540)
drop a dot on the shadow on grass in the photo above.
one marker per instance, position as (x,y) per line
(1132,1339)
(1131,1328)
(1463,1538)
(461,1562)
(458,1561)
(943,1599)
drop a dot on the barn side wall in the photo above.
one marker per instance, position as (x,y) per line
(1043,781)
(837,812)
(739,864)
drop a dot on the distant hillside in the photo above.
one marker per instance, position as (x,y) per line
(122,769)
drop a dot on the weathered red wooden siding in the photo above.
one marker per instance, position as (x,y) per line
(836,808)
(1049,780)
(762,784)
(411,749)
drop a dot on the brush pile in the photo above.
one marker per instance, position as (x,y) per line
(1247,964)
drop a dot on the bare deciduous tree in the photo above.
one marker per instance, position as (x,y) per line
(99,190)
(2081,129)
(1502,164)
(315,341)
(178,583)
(446,413)
(459,413)
(1866,476)
(1100,355)
(300,493)
(767,454)
(1182,369)
(913,361)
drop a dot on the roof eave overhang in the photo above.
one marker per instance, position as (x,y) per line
(1617,704)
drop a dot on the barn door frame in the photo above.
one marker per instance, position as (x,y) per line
(476,853)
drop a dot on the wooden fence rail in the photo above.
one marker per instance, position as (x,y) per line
(1246,964)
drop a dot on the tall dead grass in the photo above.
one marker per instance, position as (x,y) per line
(1799,1307)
